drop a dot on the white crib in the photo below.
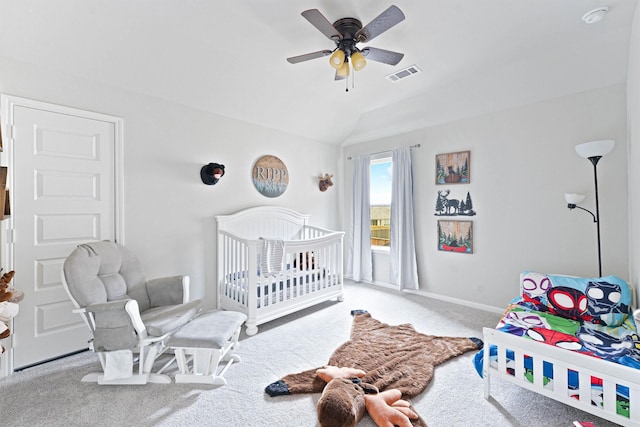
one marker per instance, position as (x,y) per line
(312,264)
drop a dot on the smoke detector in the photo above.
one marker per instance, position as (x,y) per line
(596,15)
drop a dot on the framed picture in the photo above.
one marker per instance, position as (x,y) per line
(455,236)
(453,168)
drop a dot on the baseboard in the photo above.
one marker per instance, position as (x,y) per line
(458,301)
(452,300)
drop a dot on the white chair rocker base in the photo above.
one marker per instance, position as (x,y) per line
(202,366)
(135,379)
(199,347)
(203,344)
(119,369)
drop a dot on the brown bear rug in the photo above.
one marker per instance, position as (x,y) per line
(391,358)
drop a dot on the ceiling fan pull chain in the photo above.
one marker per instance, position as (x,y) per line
(353,77)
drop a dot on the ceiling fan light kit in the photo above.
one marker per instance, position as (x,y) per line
(344,70)
(357,61)
(346,33)
(337,59)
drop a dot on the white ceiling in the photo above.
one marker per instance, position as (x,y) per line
(229,56)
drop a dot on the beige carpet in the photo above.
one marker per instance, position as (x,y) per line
(52,394)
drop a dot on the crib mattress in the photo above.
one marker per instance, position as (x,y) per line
(277,287)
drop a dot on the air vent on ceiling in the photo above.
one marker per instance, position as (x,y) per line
(404,73)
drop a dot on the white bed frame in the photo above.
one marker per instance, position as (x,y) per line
(563,360)
(239,249)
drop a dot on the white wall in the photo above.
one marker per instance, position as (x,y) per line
(168,210)
(522,162)
(633,126)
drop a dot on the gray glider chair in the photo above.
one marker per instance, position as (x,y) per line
(131,318)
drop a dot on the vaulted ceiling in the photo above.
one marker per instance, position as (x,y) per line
(229,56)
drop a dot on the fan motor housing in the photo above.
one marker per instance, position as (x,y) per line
(348,27)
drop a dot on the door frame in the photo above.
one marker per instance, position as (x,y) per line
(7,230)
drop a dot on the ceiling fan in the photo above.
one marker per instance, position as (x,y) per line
(347,33)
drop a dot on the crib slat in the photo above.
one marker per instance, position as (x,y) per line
(538,372)
(560,379)
(486,377)
(634,403)
(502,360)
(609,396)
(518,356)
(584,382)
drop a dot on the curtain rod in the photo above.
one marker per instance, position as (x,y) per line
(380,152)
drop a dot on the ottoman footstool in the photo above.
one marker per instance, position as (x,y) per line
(203,343)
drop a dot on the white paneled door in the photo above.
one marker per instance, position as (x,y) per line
(63,169)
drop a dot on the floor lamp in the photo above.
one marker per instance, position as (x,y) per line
(593,151)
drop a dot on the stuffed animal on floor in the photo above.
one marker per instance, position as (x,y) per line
(375,372)
(9,293)
(9,299)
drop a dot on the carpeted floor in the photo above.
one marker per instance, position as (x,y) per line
(52,394)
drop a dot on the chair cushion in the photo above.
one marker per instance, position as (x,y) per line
(98,272)
(113,328)
(162,320)
(212,329)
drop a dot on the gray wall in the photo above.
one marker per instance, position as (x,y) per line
(522,162)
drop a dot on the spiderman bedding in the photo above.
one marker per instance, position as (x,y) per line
(589,316)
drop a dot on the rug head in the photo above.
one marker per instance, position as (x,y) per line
(341,404)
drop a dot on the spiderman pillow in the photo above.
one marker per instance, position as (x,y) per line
(603,300)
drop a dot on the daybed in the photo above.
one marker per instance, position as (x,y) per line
(272,263)
(571,339)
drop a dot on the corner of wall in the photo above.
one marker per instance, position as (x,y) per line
(633,149)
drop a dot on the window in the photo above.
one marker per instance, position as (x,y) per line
(380,200)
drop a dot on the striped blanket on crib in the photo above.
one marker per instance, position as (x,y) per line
(272,257)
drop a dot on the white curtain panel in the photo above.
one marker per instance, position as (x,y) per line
(403,265)
(360,262)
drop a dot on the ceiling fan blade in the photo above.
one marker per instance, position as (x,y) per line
(387,19)
(318,20)
(308,56)
(381,55)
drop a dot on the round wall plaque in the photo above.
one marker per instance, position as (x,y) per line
(270,176)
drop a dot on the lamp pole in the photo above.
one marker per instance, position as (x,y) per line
(594,160)
(593,151)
